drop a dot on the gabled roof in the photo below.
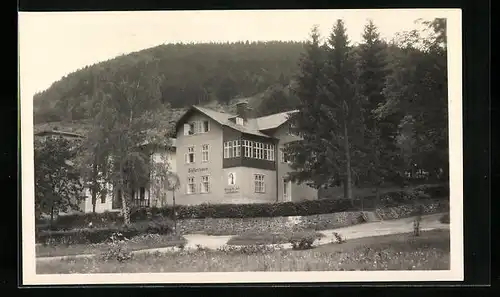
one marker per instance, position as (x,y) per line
(224,119)
(274,120)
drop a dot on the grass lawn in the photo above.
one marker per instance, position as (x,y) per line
(270,238)
(430,251)
(134,244)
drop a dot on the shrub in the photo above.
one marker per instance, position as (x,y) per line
(247,249)
(416,226)
(84,219)
(338,237)
(303,208)
(99,235)
(303,243)
(117,249)
(445,219)
(434,191)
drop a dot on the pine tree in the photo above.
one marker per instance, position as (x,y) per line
(341,106)
(329,117)
(379,144)
(311,160)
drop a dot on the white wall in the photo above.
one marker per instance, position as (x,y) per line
(99,206)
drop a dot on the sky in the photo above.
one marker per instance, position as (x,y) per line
(54,44)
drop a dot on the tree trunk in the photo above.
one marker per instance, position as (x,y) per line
(348,183)
(344,185)
(94,186)
(51,216)
(175,212)
(125,206)
(94,199)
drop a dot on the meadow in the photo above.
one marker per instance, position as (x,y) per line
(429,251)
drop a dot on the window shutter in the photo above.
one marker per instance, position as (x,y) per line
(186,158)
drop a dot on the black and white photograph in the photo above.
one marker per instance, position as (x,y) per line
(230,146)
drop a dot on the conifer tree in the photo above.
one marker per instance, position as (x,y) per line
(341,106)
(311,161)
(328,117)
(379,143)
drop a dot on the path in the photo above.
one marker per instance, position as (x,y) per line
(429,222)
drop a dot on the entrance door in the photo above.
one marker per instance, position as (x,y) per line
(287,191)
(117,200)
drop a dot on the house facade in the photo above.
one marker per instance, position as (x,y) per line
(144,196)
(225,158)
(218,158)
(152,193)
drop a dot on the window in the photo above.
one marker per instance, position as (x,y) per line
(205,126)
(205,184)
(259,184)
(271,152)
(232,149)
(239,121)
(204,153)
(231,179)
(252,147)
(284,157)
(191,186)
(187,129)
(190,155)
(192,128)
(247,148)
(228,149)
(196,127)
(142,193)
(236,148)
(260,150)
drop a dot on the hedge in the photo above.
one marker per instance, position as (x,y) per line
(99,235)
(304,208)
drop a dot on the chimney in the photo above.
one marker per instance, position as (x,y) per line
(242,110)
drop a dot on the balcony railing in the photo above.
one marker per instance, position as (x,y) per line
(141,203)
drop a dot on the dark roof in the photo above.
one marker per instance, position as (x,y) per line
(253,126)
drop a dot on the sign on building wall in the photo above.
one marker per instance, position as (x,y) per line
(233,189)
(193,170)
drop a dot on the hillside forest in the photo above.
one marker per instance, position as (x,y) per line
(370,112)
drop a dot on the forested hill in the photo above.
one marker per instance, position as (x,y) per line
(187,74)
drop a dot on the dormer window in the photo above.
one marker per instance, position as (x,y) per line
(239,121)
